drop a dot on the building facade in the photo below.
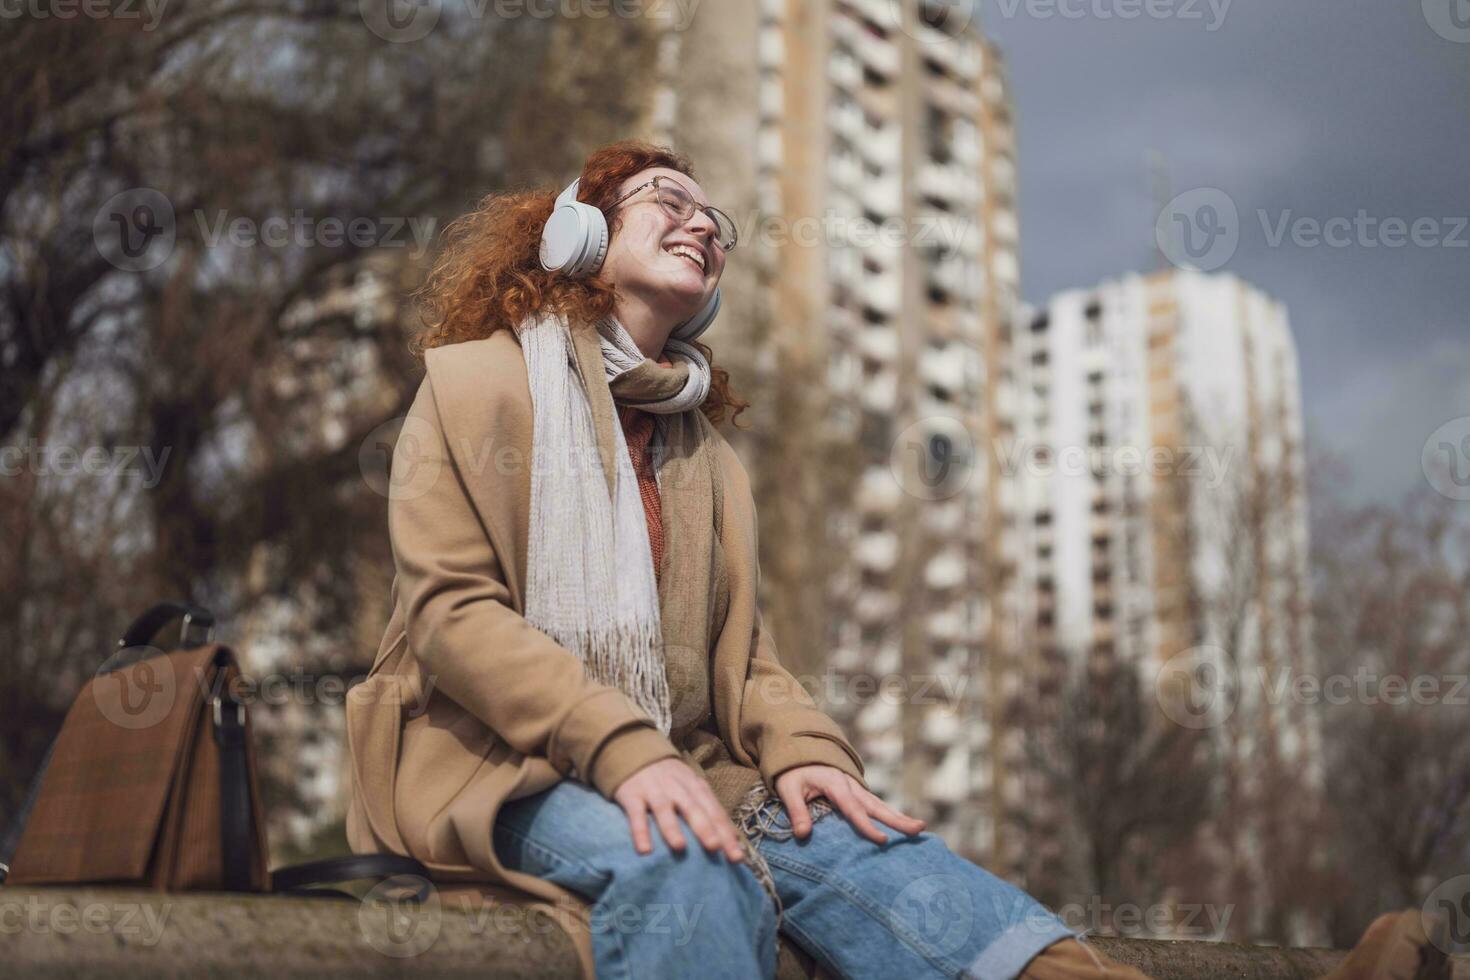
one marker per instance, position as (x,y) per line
(869,146)
(1162,487)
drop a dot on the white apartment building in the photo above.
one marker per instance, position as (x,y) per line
(870,143)
(1161,478)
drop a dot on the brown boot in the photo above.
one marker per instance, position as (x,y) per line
(1407,945)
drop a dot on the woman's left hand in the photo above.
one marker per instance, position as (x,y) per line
(804,783)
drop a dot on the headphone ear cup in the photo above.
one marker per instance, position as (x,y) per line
(574,241)
(574,238)
(596,240)
(691,328)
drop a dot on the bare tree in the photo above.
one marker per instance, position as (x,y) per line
(232,385)
(1393,613)
(1134,785)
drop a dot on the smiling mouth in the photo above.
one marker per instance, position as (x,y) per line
(686,253)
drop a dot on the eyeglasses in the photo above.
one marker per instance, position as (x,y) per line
(676,200)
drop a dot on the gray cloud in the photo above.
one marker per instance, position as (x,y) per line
(1308,108)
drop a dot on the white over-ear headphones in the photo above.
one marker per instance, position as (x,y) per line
(574,242)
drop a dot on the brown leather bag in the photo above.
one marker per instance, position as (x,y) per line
(152,780)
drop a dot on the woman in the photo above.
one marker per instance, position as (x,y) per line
(598,713)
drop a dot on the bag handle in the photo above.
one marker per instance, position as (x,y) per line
(153,619)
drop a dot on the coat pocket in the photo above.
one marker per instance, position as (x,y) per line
(375,709)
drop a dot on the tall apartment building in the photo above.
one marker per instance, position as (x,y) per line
(868,148)
(1160,472)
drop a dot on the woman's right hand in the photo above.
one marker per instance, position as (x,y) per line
(668,788)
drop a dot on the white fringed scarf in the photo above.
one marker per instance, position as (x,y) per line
(590,576)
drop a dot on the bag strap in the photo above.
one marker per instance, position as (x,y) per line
(298,878)
(235,827)
(234,797)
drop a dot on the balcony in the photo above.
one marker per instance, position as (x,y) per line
(949,182)
(878,493)
(882,197)
(844,70)
(882,293)
(874,607)
(879,54)
(880,393)
(959,277)
(879,343)
(954,368)
(945,570)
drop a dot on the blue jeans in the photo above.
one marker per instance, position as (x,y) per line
(909,908)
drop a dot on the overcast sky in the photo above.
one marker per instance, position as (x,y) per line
(1298,108)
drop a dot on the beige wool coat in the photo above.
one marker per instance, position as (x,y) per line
(468,705)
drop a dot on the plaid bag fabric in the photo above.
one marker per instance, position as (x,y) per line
(152,782)
(135,790)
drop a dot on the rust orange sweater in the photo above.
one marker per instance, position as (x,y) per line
(638,430)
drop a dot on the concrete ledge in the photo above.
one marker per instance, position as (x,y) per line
(125,934)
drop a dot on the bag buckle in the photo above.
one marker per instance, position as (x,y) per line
(218,703)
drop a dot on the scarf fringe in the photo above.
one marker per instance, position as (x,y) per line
(613,656)
(761,815)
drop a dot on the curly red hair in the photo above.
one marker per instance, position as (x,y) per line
(488,273)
